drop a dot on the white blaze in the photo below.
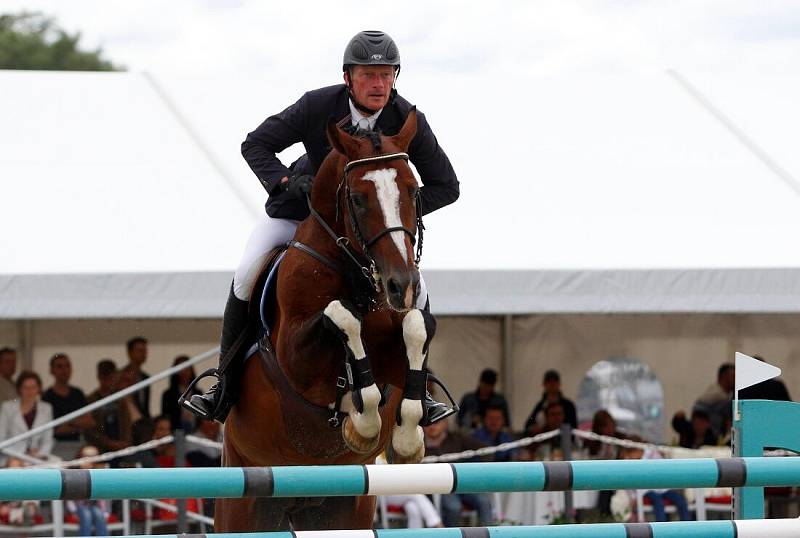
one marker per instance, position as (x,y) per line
(389,198)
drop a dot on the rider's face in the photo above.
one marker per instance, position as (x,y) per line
(371,85)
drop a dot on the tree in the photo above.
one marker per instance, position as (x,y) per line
(34,41)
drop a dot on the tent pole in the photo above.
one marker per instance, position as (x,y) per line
(506,361)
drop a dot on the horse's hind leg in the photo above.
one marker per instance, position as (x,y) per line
(362,427)
(407,438)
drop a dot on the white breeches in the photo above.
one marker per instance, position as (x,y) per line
(418,509)
(268,234)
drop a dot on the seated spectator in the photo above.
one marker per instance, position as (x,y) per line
(165,454)
(182,419)
(473,404)
(604,424)
(716,401)
(658,496)
(8,365)
(65,399)
(206,456)
(27,412)
(493,433)
(771,389)
(552,393)
(92,514)
(113,421)
(696,433)
(554,417)
(23,513)
(438,441)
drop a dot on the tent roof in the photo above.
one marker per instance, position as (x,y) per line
(587,194)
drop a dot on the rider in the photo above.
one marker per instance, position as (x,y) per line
(367,100)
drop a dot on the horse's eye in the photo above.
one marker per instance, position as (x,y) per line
(413,192)
(358,201)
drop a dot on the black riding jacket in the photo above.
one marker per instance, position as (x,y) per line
(305,121)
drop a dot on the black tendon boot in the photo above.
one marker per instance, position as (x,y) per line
(216,403)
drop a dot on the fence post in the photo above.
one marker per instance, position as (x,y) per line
(566,448)
(180,461)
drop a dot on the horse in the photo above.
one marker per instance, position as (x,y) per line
(345,316)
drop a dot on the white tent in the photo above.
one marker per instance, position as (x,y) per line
(126,196)
(586,202)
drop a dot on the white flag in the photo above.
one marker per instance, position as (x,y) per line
(750,371)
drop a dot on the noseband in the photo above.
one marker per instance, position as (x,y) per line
(370,270)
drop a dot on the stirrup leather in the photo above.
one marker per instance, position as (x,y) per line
(185,399)
(426,419)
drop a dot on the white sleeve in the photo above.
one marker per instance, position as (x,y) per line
(44,440)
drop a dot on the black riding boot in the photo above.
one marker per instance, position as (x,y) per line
(216,403)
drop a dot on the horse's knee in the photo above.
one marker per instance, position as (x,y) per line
(343,319)
(418,330)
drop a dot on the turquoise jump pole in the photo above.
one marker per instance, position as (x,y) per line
(774,528)
(347,480)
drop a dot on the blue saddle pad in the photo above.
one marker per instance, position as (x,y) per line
(269,295)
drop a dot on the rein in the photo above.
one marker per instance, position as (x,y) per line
(370,270)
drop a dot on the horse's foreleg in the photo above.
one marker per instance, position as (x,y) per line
(407,438)
(362,427)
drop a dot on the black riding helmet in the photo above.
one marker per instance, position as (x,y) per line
(370,47)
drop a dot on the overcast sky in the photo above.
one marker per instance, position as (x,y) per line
(304,39)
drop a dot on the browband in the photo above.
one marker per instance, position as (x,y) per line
(366,160)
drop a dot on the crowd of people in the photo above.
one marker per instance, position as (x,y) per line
(483,420)
(124,423)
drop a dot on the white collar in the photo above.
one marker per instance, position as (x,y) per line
(356,116)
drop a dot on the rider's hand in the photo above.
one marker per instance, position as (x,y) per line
(299,186)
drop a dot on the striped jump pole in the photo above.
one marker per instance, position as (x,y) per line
(751,528)
(348,480)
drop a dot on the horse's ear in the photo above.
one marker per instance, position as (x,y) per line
(407,132)
(340,140)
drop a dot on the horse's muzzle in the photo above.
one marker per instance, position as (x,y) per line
(401,291)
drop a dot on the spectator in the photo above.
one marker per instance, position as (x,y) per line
(65,399)
(182,419)
(554,417)
(658,496)
(439,441)
(696,433)
(113,421)
(771,389)
(92,514)
(165,454)
(137,355)
(25,513)
(717,400)
(27,412)
(604,424)
(8,365)
(473,404)
(552,393)
(493,433)
(206,456)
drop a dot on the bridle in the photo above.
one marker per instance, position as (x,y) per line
(370,269)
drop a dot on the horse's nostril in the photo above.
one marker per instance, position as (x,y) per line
(393,287)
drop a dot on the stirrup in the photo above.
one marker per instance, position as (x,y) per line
(185,399)
(426,419)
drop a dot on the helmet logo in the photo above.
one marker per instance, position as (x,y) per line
(377,56)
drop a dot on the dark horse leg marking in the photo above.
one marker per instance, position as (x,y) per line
(362,427)
(407,438)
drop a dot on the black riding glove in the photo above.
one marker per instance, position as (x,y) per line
(299,186)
